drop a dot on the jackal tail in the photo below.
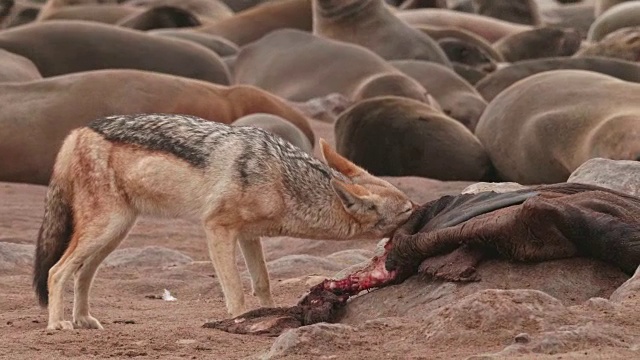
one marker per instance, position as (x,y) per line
(57,226)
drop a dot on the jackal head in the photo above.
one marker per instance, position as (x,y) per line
(377,206)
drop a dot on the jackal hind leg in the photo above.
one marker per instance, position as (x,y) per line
(221,242)
(95,231)
(251,247)
(116,228)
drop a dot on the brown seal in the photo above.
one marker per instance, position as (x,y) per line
(487,27)
(83,46)
(617,17)
(252,24)
(515,11)
(217,44)
(495,83)
(160,17)
(212,10)
(538,43)
(389,84)
(464,47)
(542,128)
(371,24)
(578,16)
(621,44)
(603,5)
(14,13)
(50,6)
(32,134)
(393,136)
(278,126)
(300,66)
(457,98)
(238,6)
(16,68)
(106,13)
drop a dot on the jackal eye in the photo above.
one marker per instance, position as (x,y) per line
(372,207)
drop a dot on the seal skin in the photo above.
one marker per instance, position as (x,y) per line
(17,68)
(457,98)
(616,17)
(515,11)
(538,43)
(488,28)
(553,222)
(393,136)
(621,44)
(32,135)
(252,24)
(535,134)
(217,44)
(63,47)
(371,24)
(501,79)
(277,126)
(300,66)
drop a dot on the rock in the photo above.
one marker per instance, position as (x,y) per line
(388,322)
(502,313)
(579,337)
(314,339)
(628,291)
(15,255)
(620,175)
(148,256)
(571,281)
(522,338)
(499,187)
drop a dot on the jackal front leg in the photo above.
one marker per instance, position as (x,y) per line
(222,250)
(254,258)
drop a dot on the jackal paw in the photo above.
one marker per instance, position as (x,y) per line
(87,322)
(60,325)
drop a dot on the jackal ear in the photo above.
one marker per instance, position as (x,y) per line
(352,196)
(338,162)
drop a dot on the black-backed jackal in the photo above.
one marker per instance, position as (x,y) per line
(240,182)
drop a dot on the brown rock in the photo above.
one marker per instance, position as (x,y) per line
(620,175)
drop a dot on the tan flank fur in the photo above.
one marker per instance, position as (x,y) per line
(240,182)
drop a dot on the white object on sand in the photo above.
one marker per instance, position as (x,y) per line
(166,296)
